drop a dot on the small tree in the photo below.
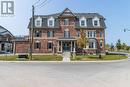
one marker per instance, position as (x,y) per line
(83,40)
(112,47)
(118,44)
(123,46)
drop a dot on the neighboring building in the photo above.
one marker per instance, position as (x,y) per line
(59,32)
(6,45)
(21,44)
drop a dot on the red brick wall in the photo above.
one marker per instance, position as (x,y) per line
(21,47)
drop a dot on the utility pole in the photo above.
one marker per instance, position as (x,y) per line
(31,33)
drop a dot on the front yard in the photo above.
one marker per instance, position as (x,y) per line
(35,58)
(96,57)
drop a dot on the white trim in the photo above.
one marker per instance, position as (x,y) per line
(50,19)
(98,22)
(40,20)
(83,19)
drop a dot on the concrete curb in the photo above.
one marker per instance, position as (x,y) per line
(105,61)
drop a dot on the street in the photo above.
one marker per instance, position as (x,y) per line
(63,74)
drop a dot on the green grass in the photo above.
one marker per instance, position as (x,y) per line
(47,58)
(96,57)
(35,58)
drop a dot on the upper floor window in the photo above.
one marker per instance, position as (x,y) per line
(38,22)
(66,21)
(66,33)
(38,34)
(83,22)
(101,34)
(91,34)
(50,34)
(96,22)
(78,33)
(51,22)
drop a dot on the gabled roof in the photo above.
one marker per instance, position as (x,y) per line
(67,13)
(4,31)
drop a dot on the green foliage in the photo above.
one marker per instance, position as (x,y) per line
(118,44)
(83,40)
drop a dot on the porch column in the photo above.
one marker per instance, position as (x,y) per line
(61,46)
(58,47)
(0,46)
(71,47)
(94,45)
(74,47)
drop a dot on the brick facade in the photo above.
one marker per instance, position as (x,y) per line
(59,42)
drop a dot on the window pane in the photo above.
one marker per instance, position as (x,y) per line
(91,45)
(95,23)
(50,45)
(37,45)
(82,23)
(66,21)
(66,34)
(101,34)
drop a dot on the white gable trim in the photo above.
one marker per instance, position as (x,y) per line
(50,19)
(40,20)
(98,21)
(83,19)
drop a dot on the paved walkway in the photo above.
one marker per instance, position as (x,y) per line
(66,56)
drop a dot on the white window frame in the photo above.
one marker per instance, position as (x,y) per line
(85,22)
(91,34)
(67,21)
(51,19)
(39,19)
(98,22)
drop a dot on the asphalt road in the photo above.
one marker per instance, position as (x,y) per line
(108,74)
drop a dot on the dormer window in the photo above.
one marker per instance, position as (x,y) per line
(38,22)
(96,22)
(83,22)
(51,22)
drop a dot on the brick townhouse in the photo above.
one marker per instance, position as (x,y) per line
(59,32)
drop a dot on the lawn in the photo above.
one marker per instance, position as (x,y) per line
(96,57)
(35,58)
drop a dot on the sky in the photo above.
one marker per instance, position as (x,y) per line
(116,13)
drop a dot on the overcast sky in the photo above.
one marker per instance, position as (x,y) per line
(116,12)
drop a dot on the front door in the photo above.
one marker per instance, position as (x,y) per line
(66,46)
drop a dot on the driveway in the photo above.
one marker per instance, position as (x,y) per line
(63,74)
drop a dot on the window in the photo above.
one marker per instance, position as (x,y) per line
(101,34)
(37,45)
(91,34)
(91,45)
(51,22)
(94,34)
(38,33)
(83,22)
(38,22)
(101,43)
(66,21)
(66,33)
(95,23)
(78,33)
(50,34)
(50,45)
